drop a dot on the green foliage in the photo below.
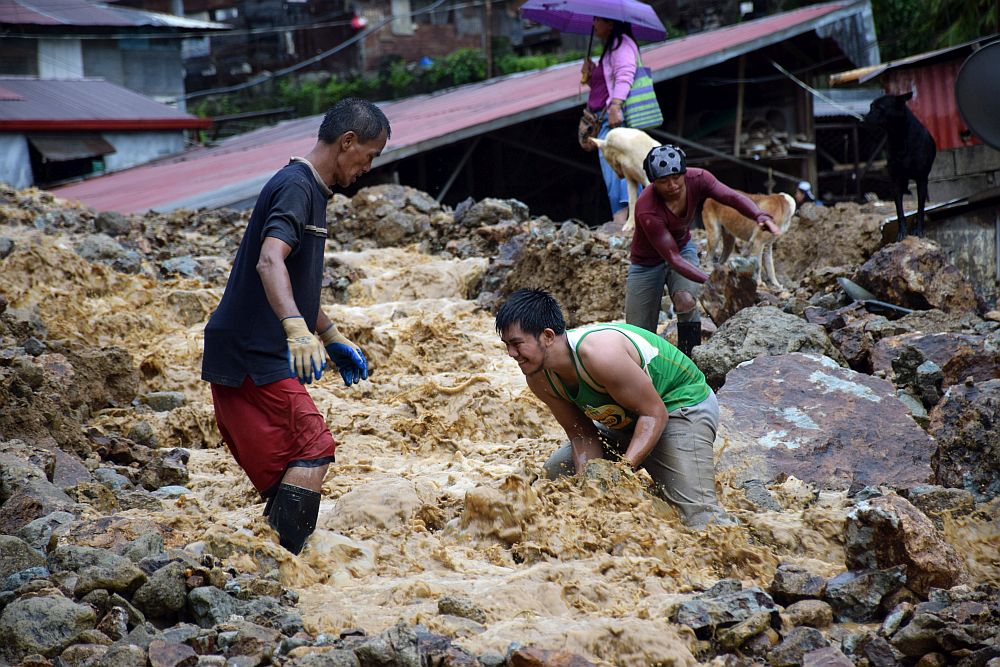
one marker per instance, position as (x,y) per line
(909,27)
(395,79)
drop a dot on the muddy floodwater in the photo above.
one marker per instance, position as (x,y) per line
(436,488)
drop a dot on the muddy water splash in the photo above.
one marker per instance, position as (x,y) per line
(436,487)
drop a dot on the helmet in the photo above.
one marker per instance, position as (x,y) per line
(665,160)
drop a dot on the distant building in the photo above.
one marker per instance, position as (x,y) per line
(54,131)
(74,39)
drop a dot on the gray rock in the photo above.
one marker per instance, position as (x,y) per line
(964,425)
(703,615)
(44,625)
(492,659)
(33,346)
(39,532)
(826,657)
(878,652)
(795,645)
(114,624)
(182,633)
(396,646)
(128,262)
(136,619)
(184,265)
(74,558)
(112,479)
(18,579)
(899,615)
(99,247)
(83,655)
(7,246)
(253,640)
(269,612)
(17,555)
(164,401)
(171,654)
(139,499)
(166,469)
(927,382)
(144,546)
(123,577)
(792,583)
(753,332)
(142,433)
(331,658)
(731,638)
(856,596)
(112,223)
(165,593)
(758,495)
(124,655)
(210,606)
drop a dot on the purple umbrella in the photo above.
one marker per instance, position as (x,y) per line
(577,16)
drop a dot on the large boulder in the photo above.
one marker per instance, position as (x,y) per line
(44,625)
(964,424)
(17,555)
(26,493)
(756,332)
(887,530)
(959,356)
(803,415)
(916,273)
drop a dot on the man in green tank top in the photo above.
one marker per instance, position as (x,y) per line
(623,392)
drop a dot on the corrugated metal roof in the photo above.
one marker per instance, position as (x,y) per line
(93,14)
(933,101)
(844,102)
(84,104)
(235,170)
(865,74)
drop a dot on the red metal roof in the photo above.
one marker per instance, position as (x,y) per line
(236,169)
(86,13)
(933,100)
(30,104)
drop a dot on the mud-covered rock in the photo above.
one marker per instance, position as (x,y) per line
(938,502)
(459,605)
(792,583)
(803,415)
(730,288)
(964,424)
(538,657)
(44,625)
(795,644)
(168,468)
(759,331)
(810,613)
(887,531)
(705,614)
(916,273)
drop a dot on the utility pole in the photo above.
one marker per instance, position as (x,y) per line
(488,32)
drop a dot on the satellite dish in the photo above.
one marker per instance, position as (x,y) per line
(977,92)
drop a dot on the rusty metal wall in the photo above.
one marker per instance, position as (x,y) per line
(972,242)
(933,100)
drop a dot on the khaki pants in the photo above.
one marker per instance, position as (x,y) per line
(681,463)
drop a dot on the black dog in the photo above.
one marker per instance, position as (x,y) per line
(911,153)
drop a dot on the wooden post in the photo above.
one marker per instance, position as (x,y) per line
(682,103)
(488,32)
(740,71)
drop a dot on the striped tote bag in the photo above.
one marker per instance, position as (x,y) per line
(641,108)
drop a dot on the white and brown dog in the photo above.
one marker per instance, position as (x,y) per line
(724,224)
(624,150)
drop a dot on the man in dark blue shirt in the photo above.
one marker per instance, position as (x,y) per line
(260,343)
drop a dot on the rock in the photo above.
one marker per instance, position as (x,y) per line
(14,581)
(98,496)
(730,289)
(170,654)
(114,624)
(932,660)
(792,583)
(919,636)
(180,266)
(165,593)
(916,273)
(795,645)
(856,596)
(26,493)
(326,658)
(820,423)
(164,401)
(112,223)
(113,533)
(142,432)
(168,468)
(7,246)
(99,247)
(45,625)
(139,499)
(83,655)
(539,657)
(759,497)
(458,605)
(395,646)
(928,382)
(267,611)
(760,331)
(887,531)
(731,638)
(124,655)
(210,606)
(74,558)
(938,502)
(829,656)
(900,614)
(964,426)
(17,555)
(957,356)
(144,546)
(703,615)
(253,640)
(122,577)
(811,613)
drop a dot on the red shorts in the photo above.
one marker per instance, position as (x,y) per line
(269,427)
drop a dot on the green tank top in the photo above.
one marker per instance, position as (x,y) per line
(675,377)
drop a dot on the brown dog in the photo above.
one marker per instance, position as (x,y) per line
(725,224)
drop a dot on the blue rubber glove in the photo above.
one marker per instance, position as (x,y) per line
(348,357)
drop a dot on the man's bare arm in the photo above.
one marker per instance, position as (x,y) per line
(613,361)
(579,428)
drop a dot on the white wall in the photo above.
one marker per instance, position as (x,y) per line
(133,148)
(15,163)
(60,59)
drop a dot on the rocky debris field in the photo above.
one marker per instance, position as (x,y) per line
(859,450)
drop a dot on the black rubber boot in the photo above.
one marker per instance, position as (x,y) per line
(293,512)
(688,335)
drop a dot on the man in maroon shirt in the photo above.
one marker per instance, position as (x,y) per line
(662,250)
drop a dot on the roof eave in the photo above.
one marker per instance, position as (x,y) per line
(109,125)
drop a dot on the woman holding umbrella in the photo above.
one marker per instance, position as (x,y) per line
(610,80)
